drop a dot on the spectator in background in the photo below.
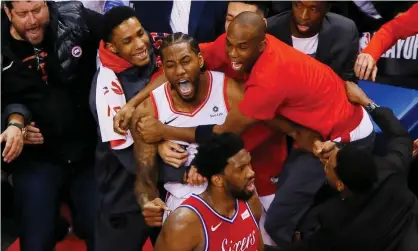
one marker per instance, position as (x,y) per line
(310,28)
(204,20)
(128,64)
(49,52)
(401,27)
(236,7)
(374,210)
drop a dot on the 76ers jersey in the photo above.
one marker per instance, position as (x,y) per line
(226,234)
(213,109)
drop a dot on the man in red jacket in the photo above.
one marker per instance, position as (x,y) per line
(403,26)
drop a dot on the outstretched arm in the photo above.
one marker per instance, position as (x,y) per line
(145,156)
(182,222)
(123,117)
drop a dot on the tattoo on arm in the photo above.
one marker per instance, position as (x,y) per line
(146,172)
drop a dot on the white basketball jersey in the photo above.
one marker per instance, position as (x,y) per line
(213,109)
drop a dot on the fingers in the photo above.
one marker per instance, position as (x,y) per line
(358,64)
(161,204)
(194,178)
(13,146)
(31,128)
(175,162)
(154,221)
(369,69)
(33,138)
(363,67)
(117,125)
(176,147)
(317,147)
(374,73)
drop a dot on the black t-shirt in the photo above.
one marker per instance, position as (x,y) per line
(34,57)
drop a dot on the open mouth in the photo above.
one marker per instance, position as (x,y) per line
(142,55)
(251,186)
(185,87)
(303,28)
(236,66)
(34,31)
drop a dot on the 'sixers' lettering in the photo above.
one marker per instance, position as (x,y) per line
(241,245)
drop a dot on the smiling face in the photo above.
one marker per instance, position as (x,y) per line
(239,176)
(307,17)
(29,20)
(130,42)
(182,69)
(243,47)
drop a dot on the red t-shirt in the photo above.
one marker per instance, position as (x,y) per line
(287,82)
(268,148)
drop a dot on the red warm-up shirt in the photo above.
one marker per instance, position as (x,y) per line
(287,82)
(268,148)
(403,26)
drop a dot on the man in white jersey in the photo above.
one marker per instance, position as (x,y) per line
(190,97)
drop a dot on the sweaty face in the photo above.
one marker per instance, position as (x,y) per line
(130,42)
(307,17)
(235,8)
(29,20)
(243,47)
(182,69)
(239,176)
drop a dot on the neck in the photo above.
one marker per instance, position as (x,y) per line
(222,203)
(14,33)
(200,96)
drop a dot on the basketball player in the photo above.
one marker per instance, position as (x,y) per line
(280,81)
(190,97)
(225,216)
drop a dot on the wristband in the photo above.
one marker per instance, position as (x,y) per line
(203,133)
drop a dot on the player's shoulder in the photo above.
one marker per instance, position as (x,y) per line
(184,218)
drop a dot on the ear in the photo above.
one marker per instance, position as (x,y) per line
(265,21)
(262,46)
(340,186)
(111,47)
(8,13)
(217,180)
(201,60)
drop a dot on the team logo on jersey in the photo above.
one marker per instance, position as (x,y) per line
(245,214)
(215,109)
(76,51)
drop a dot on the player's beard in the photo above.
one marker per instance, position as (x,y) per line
(237,193)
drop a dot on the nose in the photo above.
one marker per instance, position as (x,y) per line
(180,70)
(250,173)
(31,18)
(232,52)
(304,14)
(139,44)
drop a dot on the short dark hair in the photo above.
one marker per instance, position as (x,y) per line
(356,169)
(177,38)
(114,17)
(212,157)
(8,4)
(261,6)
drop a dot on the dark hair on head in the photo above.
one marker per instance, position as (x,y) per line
(356,169)
(8,4)
(177,38)
(212,157)
(114,17)
(261,6)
